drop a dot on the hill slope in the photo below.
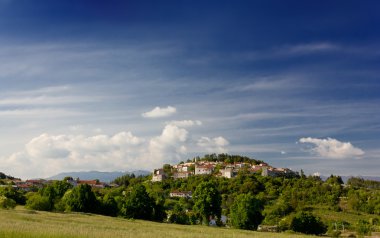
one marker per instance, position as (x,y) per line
(21,223)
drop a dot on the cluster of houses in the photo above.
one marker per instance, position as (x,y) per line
(35,184)
(220,169)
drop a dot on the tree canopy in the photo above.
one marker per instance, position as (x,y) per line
(207,201)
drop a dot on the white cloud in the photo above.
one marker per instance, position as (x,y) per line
(332,148)
(46,154)
(186,123)
(160,112)
(169,146)
(214,145)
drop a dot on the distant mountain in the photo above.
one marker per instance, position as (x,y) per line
(101,176)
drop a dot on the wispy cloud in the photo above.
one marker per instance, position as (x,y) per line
(186,123)
(316,47)
(39,113)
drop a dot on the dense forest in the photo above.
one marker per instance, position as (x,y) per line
(300,203)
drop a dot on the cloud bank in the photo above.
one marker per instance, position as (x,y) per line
(46,154)
(332,148)
(160,112)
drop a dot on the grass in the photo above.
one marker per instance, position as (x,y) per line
(22,223)
(351,217)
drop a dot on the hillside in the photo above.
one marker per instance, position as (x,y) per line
(21,223)
(204,190)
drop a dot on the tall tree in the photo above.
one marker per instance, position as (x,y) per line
(207,201)
(138,204)
(246,212)
(81,199)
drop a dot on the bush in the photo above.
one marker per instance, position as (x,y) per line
(7,203)
(59,205)
(13,194)
(307,223)
(363,228)
(284,223)
(179,218)
(38,202)
(333,233)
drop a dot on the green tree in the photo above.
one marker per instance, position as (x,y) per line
(207,201)
(178,215)
(81,199)
(307,223)
(7,203)
(12,193)
(38,202)
(109,206)
(138,204)
(246,212)
(335,180)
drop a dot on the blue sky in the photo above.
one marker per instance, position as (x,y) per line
(124,85)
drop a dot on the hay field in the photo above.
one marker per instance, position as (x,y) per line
(21,223)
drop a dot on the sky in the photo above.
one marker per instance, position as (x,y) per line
(126,85)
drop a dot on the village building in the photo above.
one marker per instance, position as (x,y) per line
(204,169)
(92,183)
(158,175)
(229,172)
(185,194)
(274,172)
(181,175)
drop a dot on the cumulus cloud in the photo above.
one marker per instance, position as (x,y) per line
(215,145)
(169,146)
(160,112)
(47,154)
(332,148)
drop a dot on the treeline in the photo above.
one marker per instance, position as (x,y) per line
(4,176)
(226,158)
(363,183)
(248,200)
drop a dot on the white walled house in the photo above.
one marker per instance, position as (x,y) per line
(158,175)
(203,169)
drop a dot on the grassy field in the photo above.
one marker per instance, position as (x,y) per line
(21,223)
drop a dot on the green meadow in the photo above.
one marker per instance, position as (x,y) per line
(22,223)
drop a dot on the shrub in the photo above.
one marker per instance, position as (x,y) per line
(307,223)
(363,228)
(38,202)
(7,203)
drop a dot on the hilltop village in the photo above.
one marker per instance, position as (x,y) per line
(216,190)
(219,166)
